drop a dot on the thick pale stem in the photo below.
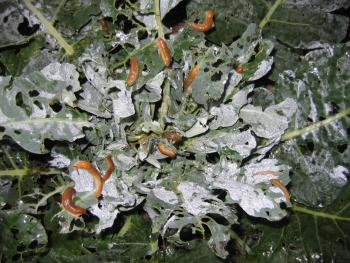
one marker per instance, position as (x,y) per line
(272,10)
(15,172)
(314,126)
(47,196)
(51,30)
(305,210)
(158,18)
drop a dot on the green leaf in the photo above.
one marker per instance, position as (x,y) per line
(11,17)
(253,192)
(319,158)
(323,5)
(132,243)
(26,111)
(304,27)
(210,81)
(148,18)
(75,14)
(22,236)
(297,27)
(284,58)
(226,139)
(272,122)
(15,60)
(311,235)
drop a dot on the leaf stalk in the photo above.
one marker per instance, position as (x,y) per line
(305,210)
(293,134)
(50,28)
(272,10)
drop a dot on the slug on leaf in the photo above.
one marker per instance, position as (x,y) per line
(190,78)
(207,24)
(280,185)
(110,168)
(68,204)
(134,71)
(174,136)
(239,69)
(166,150)
(164,51)
(104,25)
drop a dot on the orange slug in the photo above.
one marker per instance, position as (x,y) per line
(68,204)
(86,165)
(267,172)
(104,25)
(280,185)
(207,24)
(239,69)
(190,78)
(134,71)
(174,136)
(110,168)
(166,150)
(164,51)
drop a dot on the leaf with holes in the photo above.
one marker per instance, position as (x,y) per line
(19,233)
(319,158)
(29,115)
(311,235)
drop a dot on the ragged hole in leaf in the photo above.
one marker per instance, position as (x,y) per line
(34,244)
(219,219)
(21,248)
(69,87)
(19,99)
(310,146)
(33,93)
(341,148)
(125,24)
(213,157)
(24,28)
(38,103)
(56,107)
(112,90)
(216,76)
(142,34)
(6,18)
(217,63)
(186,233)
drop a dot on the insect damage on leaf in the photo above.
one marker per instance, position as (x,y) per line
(173,127)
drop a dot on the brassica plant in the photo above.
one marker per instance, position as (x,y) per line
(174,131)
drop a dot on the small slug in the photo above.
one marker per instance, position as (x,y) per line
(88,166)
(68,204)
(190,78)
(239,69)
(164,51)
(110,168)
(104,25)
(174,136)
(207,24)
(280,185)
(134,71)
(166,150)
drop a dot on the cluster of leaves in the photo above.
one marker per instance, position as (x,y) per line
(62,102)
